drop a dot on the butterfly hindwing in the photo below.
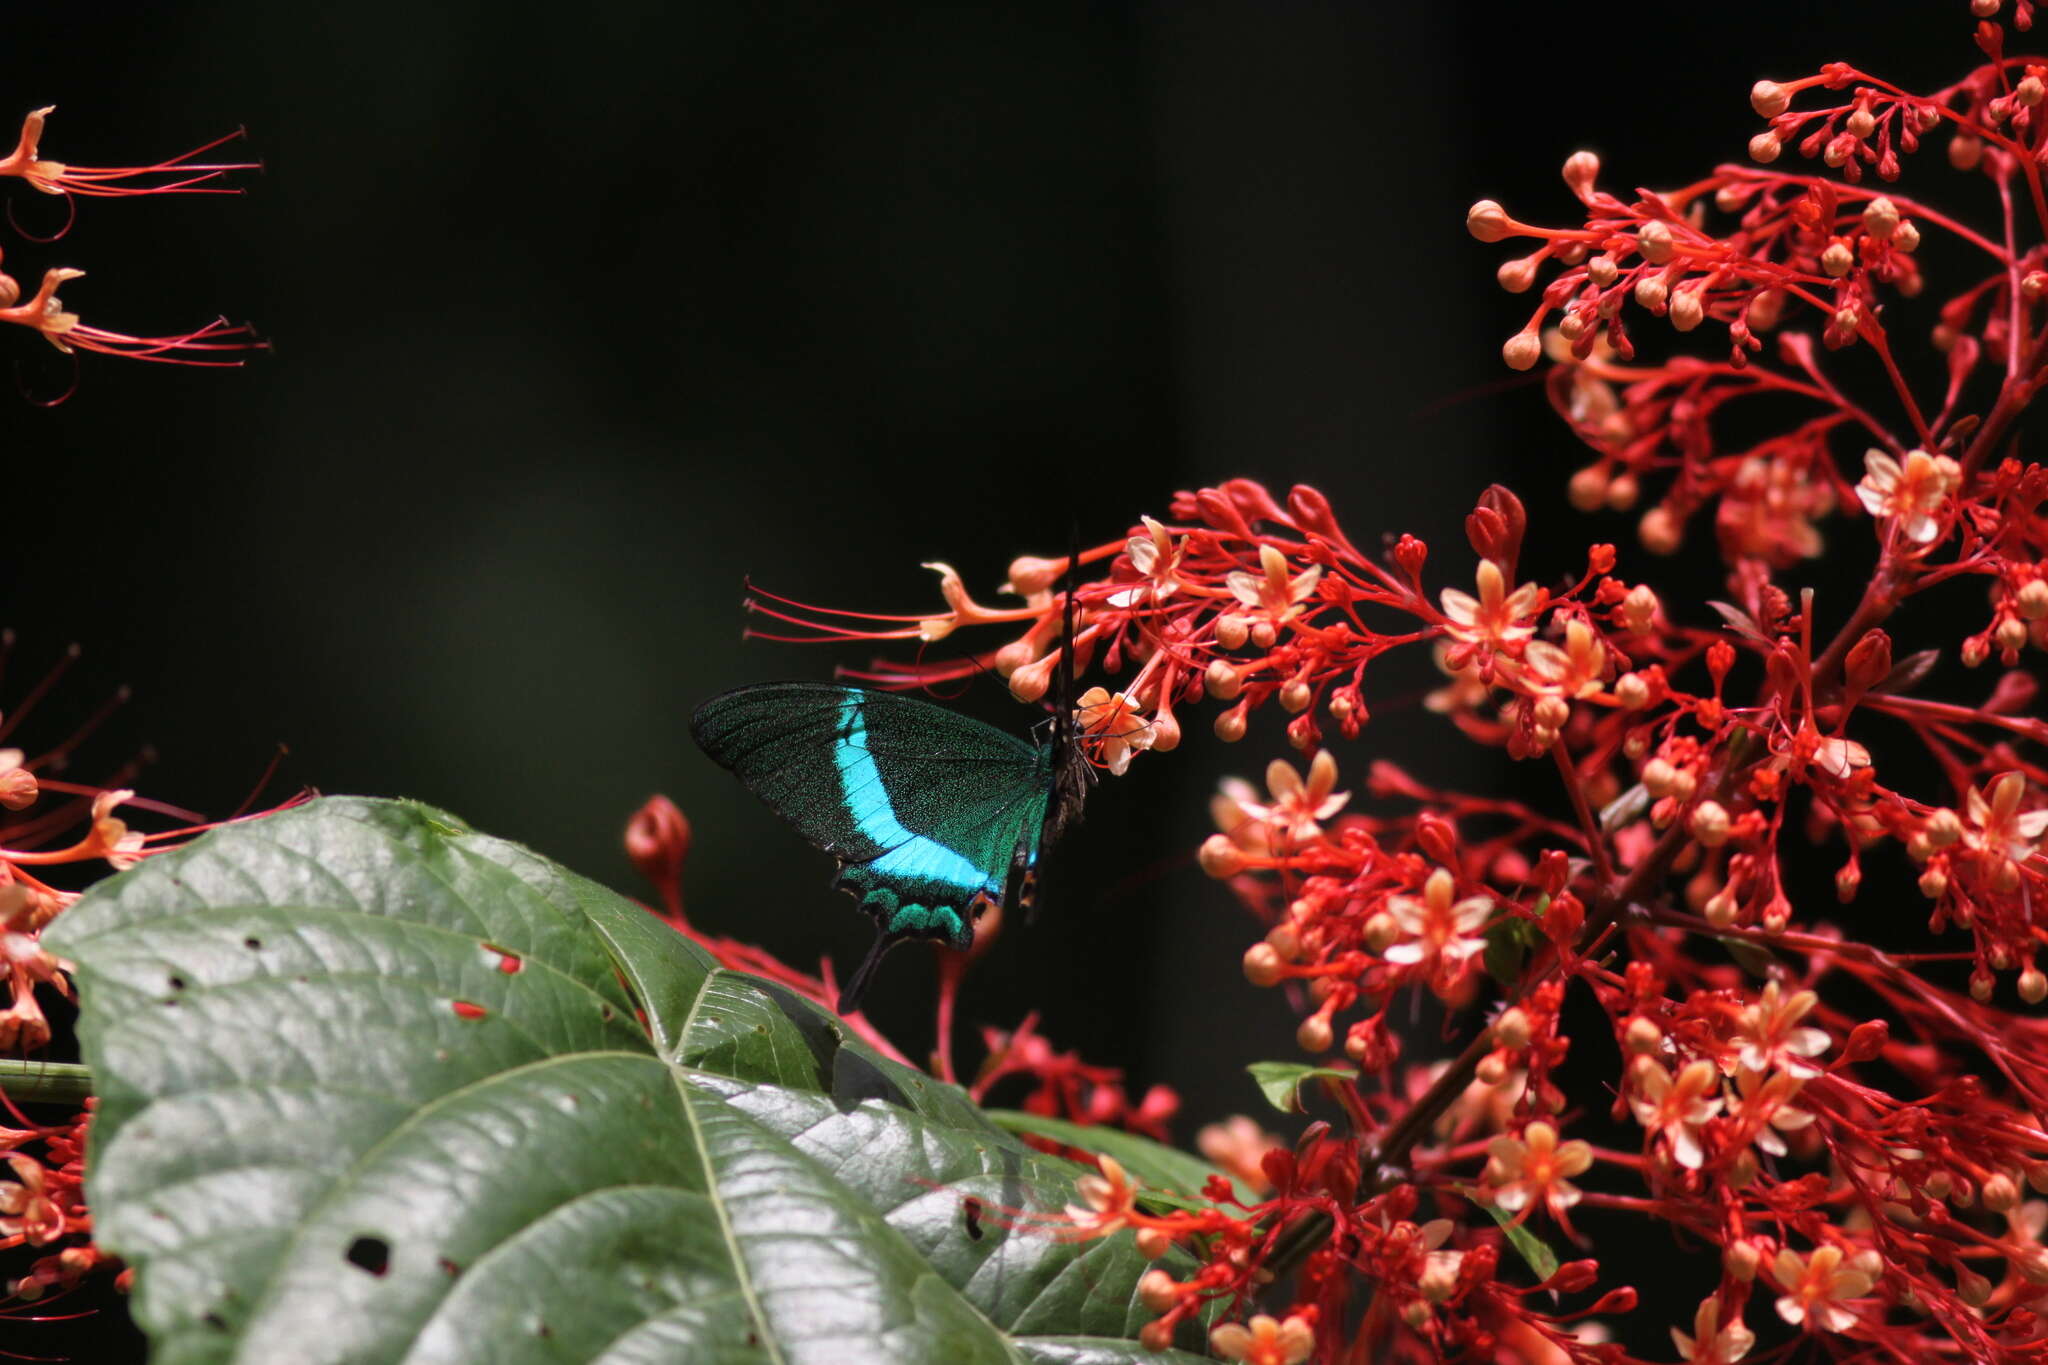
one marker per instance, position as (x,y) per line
(931,813)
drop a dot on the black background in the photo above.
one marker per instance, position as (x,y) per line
(582,313)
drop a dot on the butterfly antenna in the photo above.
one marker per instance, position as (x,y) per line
(857,985)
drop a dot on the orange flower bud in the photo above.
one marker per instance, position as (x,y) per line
(2033,985)
(1158,1291)
(1219,857)
(1487,221)
(1709,824)
(1522,350)
(1512,1029)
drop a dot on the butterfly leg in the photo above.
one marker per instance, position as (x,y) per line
(1020,888)
(857,985)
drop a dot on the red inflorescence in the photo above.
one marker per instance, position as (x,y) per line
(75,833)
(1852,1120)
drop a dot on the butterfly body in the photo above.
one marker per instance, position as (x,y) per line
(933,816)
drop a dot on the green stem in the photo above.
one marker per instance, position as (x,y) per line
(65,1083)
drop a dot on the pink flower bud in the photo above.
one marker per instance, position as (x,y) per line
(658,841)
(1581,169)
(1765,148)
(1522,350)
(1031,681)
(1518,275)
(18,787)
(1769,98)
(1513,1029)
(1262,964)
(1487,221)
(1881,218)
(1030,574)
(1742,1259)
(1158,1291)
(1221,858)
(1653,240)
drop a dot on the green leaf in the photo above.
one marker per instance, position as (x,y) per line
(1161,1169)
(1508,941)
(1533,1249)
(1759,961)
(1281,1081)
(374,1087)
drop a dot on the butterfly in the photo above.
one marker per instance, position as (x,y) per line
(933,816)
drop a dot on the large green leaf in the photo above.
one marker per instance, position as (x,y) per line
(374,1087)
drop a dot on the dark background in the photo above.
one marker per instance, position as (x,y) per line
(582,313)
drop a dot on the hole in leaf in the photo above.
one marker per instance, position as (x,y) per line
(253,944)
(465,1010)
(605,1014)
(370,1253)
(177,983)
(216,1322)
(503,959)
(970,1210)
(541,1329)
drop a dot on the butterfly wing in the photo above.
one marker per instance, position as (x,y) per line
(931,814)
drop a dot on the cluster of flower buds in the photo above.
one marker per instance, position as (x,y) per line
(42,1206)
(1064,1086)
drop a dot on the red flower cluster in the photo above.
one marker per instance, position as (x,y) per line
(79,833)
(1855,1127)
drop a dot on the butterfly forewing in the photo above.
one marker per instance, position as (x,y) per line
(926,810)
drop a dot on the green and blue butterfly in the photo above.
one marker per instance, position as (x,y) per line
(934,816)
